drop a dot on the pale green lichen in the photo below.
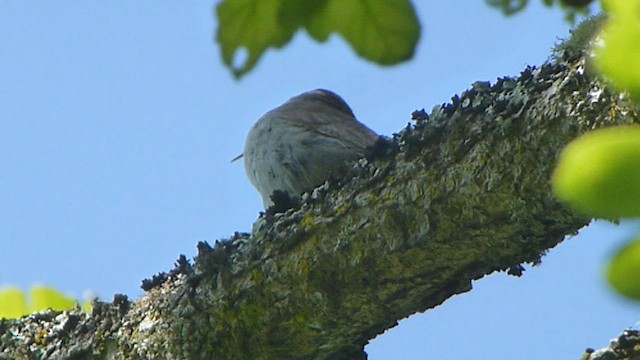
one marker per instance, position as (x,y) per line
(469,196)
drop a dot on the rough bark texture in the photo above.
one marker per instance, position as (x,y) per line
(625,347)
(461,194)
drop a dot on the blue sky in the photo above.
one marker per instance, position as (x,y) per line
(118,122)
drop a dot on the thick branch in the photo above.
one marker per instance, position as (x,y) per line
(625,347)
(463,193)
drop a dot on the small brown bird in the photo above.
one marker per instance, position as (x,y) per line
(298,145)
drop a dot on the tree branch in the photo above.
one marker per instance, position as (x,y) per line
(463,193)
(625,347)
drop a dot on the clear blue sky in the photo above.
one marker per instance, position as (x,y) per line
(118,122)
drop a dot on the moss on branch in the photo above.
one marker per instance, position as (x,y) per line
(461,194)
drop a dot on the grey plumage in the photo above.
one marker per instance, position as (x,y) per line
(296,146)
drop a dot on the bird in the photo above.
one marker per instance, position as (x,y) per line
(300,144)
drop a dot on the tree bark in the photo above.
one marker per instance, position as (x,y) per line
(462,193)
(625,347)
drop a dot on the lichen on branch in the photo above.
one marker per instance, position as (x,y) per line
(459,194)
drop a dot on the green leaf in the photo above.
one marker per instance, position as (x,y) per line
(297,13)
(253,26)
(12,303)
(623,271)
(383,31)
(508,7)
(598,174)
(576,3)
(44,298)
(619,59)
